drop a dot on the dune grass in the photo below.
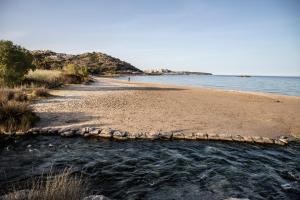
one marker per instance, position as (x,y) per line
(52,187)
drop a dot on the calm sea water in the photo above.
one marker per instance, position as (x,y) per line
(269,84)
(158,170)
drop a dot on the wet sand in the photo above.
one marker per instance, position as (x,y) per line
(143,107)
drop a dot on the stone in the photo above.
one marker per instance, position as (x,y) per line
(257,139)
(267,140)
(190,136)
(132,135)
(53,131)
(96,197)
(237,138)
(178,136)
(201,136)
(85,130)
(34,131)
(95,132)
(140,135)
(44,130)
(20,133)
(67,133)
(165,135)
(120,135)
(153,135)
(278,142)
(213,136)
(248,139)
(285,141)
(225,137)
(106,133)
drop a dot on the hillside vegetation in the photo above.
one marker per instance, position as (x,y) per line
(96,63)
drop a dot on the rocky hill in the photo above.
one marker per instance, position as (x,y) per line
(97,63)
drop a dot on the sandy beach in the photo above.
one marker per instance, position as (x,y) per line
(143,107)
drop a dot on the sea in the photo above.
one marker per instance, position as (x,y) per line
(282,85)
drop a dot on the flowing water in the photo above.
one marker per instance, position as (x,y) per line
(158,169)
(270,84)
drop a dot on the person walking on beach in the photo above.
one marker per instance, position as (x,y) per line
(128,78)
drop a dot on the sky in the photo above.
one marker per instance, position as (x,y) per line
(257,37)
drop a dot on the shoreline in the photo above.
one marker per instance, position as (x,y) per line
(157,111)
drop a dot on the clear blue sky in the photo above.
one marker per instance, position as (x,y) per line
(259,37)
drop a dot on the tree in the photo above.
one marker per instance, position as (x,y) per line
(15,62)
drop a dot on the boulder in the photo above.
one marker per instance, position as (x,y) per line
(20,133)
(248,139)
(238,138)
(213,136)
(95,132)
(153,135)
(267,140)
(178,136)
(257,139)
(190,136)
(165,135)
(120,135)
(67,133)
(225,137)
(106,133)
(201,136)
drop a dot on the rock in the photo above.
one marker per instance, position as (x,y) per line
(20,133)
(132,135)
(165,135)
(44,130)
(153,135)
(33,131)
(139,135)
(95,132)
(106,133)
(96,197)
(285,141)
(257,139)
(278,142)
(201,136)
(67,133)
(225,137)
(120,135)
(53,131)
(237,138)
(86,130)
(213,136)
(50,145)
(190,136)
(248,139)
(178,136)
(267,140)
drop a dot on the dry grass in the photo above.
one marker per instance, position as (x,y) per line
(44,78)
(40,92)
(16,116)
(8,94)
(15,112)
(52,187)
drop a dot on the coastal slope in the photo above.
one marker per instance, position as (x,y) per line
(141,107)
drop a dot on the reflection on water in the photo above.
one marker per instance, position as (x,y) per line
(271,84)
(159,169)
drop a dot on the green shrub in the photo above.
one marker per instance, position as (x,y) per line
(73,69)
(15,62)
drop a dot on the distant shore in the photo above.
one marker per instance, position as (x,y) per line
(144,108)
